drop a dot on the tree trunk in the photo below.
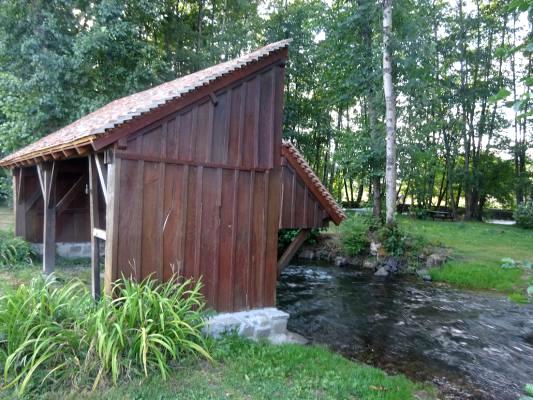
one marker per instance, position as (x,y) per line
(390,114)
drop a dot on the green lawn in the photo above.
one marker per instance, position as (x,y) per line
(477,249)
(247,370)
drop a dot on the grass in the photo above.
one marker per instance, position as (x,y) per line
(477,250)
(247,370)
(241,370)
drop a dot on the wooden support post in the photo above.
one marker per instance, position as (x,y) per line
(19,202)
(102,173)
(289,253)
(111,244)
(95,218)
(47,177)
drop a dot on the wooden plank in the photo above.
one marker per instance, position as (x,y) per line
(235,126)
(227,240)
(112,222)
(278,113)
(20,202)
(96,233)
(49,174)
(251,120)
(220,136)
(149,259)
(99,234)
(242,259)
(192,209)
(272,229)
(204,132)
(102,173)
(71,194)
(251,261)
(160,205)
(209,236)
(289,253)
(140,157)
(198,222)
(265,132)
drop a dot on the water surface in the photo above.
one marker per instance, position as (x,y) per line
(472,345)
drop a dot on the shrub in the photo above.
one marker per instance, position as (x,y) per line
(14,251)
(399,243)
(55,333)
(524,215)
(354,233)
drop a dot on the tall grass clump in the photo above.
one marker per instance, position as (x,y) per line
(14,251)
(57,334)
(42,329)
(147,325)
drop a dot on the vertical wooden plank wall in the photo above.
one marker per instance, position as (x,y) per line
(199,194)
(299,207)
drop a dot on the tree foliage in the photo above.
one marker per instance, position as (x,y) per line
(462,73)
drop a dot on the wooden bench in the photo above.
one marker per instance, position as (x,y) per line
(444,215)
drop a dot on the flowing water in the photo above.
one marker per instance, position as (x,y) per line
(471,345)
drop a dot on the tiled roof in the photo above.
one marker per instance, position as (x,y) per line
(302,168)
(86,129)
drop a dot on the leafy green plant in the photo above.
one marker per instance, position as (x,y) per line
(524,215)
(55,333)
(398,242)
(146,325)
(354,234)
(528,390)
(14,251)
(508,262)
(42,331)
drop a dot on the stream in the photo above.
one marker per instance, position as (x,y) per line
(470,345)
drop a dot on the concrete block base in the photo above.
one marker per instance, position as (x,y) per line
(68,250)
(262,323)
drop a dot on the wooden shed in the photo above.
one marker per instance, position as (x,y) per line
(190,177)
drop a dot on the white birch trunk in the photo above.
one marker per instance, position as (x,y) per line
(390,114)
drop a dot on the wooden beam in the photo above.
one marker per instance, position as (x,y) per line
(19,203)
(71,194)
(48,174)
(289,253)
(102,173)
(99,234)
(95,222)
(112,207)
(31,200)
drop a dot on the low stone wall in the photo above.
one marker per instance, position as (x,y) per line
(67,250)
(262,323)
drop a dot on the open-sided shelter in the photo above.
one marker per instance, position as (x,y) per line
(190,177)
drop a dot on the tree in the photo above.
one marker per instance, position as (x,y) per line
(390,114)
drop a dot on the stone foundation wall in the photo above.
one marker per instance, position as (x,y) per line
(262,323)
(67,250)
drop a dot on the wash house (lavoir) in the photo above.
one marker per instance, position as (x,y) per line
(190,177)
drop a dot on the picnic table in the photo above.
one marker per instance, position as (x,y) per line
(440,215)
